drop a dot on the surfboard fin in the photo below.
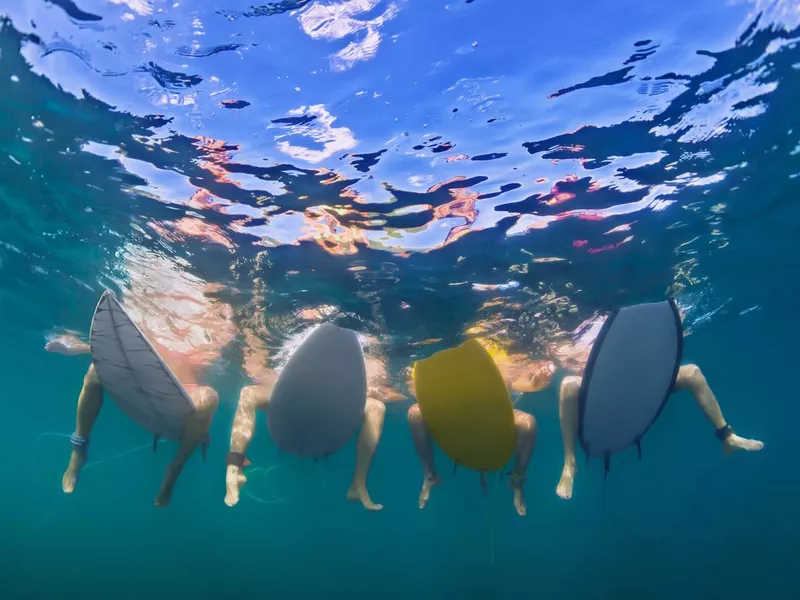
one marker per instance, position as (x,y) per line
(156,437)
(484,484)
(607,466)
(639,447)
(455,467)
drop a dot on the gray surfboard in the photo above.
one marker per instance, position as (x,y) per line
(630,374)
(319,398)
(134,375)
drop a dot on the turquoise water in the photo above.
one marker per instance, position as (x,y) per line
(426,170)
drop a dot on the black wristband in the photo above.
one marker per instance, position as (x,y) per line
(234,458)
(724,432)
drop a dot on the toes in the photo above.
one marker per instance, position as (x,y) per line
(68,482)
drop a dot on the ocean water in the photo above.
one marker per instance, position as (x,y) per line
(422,171)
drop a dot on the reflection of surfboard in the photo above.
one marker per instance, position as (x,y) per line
(134,375)
(466,407)
(320,395)
(630,375)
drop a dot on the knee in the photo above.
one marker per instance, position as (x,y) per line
(570,386)
(205,399)
(414,415)
(691,372)
(247,396)
(375,408)
(525,423)
(254,396)
(91,379)
(689,375)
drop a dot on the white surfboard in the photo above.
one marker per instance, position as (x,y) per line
(134,375)
(319,398)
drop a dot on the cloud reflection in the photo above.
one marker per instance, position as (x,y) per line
(337,20)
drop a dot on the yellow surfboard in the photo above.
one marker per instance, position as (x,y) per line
(466,407)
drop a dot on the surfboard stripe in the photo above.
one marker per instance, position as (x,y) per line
(629,377)
(134,375)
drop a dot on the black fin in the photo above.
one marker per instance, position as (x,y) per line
(484,484)
(607,466)
(587,460)
(156,437)
(639,447)
(455,467)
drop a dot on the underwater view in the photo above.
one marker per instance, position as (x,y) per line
(399,299)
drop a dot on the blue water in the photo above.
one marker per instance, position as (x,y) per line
(423,169)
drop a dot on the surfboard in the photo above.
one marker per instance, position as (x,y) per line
(629,377)
(320,395)
(466,406)
(133,374)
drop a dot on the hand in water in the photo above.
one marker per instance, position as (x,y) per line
(68,345)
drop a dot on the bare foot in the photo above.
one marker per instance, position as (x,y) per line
(358,493)
(564,489)
(167,485)
(68,345)
(234,480)
(734,443)
(70,478)
(519,497)
(425,493)
(164,495)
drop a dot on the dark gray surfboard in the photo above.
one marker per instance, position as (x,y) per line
(629,377)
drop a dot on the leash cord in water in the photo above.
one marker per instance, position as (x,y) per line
(276,499)
(708,475)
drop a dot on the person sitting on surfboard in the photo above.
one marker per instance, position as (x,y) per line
(689,377)
(463,404)
(260,396)
(205,328)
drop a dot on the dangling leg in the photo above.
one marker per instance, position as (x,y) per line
(692,378)
(526,430)
(368,440)
(424,447)
(205,401)
(568,410)
(251,398)
(89,403)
